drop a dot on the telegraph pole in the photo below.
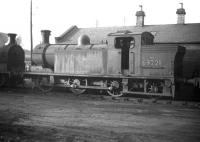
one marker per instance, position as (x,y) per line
(31,30)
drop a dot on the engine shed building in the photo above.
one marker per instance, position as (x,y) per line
(180,33)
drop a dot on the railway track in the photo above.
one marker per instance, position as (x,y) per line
(103,96)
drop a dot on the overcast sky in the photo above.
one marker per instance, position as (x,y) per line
(59,15)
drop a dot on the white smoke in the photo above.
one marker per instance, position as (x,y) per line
(3,39)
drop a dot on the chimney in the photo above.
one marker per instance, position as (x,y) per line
(12,38)
(45,36)
(181,15)
(140,17)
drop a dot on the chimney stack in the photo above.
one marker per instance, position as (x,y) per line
(12,38)
(140,17)
(45,36)
(181,15)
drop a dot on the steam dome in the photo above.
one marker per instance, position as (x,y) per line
(83,40)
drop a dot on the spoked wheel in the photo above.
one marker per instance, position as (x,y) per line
(46,84)
(77,91)
(2,80)
(115,90)
(74,87)
(115,93)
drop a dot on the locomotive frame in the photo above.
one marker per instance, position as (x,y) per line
(111,74)
(115,86)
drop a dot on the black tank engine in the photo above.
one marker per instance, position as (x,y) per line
(11,60)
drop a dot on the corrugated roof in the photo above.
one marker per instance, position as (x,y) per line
(171,33)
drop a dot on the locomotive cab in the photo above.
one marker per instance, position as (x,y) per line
(128,45)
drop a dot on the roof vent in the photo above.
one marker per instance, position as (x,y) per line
(140,17)
(83,40)
(181,15)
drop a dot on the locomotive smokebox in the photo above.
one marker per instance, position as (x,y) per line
(12,56)
(45,36)
(43,54)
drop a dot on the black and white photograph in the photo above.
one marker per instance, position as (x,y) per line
(99,71)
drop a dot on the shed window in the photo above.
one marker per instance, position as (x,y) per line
(124,41)
(147,38)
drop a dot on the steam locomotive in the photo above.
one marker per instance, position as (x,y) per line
(127,62)
(12,65)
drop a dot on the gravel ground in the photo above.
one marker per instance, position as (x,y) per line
(63,117)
